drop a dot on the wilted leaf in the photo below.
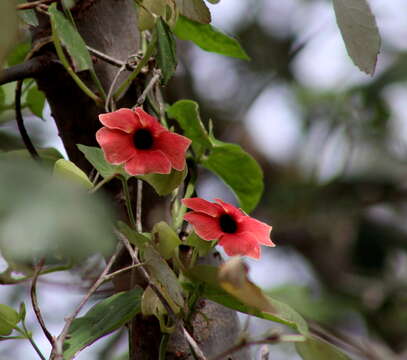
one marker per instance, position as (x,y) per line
(227,160)
(209,38)
(186,112)
(8,319)
(68,170)
(316,349)
(71,39)
(103,318)
(36,101)
(165,184)
(359,31)
(8,27)
(195,10)
(166,56)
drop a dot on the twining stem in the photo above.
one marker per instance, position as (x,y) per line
(33,4)
(126,83)
(139,225)
(128,202)
(110,103)
(163,347)
(28,335)
(178,218)
(101,183)
(150,85)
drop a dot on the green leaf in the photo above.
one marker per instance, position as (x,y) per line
(165,239)
(46,217)
(208,276)
(96,157)
(28,16)
(209,38)
(133,236)
(68,170)
(8,27)
(164,278)
(36,101)
(48,155)
(165,184)
(228,160)
(203,246)
(71,39)
(103,318)
(359,31)
(2,98)
(18,53)
(195,10)
(166,57)
(316,349)
(8,319)
(214,1)
(186,112)
(22,312)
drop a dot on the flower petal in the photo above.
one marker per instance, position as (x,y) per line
(122,119)
(117,146)
(236,213)
(203,206)
(260,230)
(240,244)
(205,226)
(147,162)
(148,121)
(174,146)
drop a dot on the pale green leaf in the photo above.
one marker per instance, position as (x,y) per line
(359,31)
(165,184)
(165,239)
(103,318)
(48,155)
(28,16)
(166,56)
(203,246)
(8,27)
(68,170)
(36,101)
(209,38)
(316,349)
(195,10)
(227,160)
(135,238)
(8,319)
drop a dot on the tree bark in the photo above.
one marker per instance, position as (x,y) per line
(110,26)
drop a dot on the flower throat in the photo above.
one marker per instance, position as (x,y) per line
(143,140)
(227,224)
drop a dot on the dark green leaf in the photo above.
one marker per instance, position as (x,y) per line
(209,38)
(68,170)
(316,349)
(227,160)
(36,101)
(103,318)
(186,112)
(22,312)
(8,319)
(165,239)
(195,10)
(95,156)
(28,16)
(8,27)
(133,236)
(203,246)
(165,184)
(48,155)
(18,54)
(71,39)
(166,57)
(359,31)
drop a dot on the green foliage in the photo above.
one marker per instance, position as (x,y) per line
(186,112)
(165,184)
(103,318)
(359,31)
(71,39)
(165,239)
(68,170)
(135,238)
(228,160)
(28,16)
(166,55)
(202,246)
(8,319)
(316,349)
(18,53)
(48,156)
(209,38)
(8,27)
(49,218)
(36,101)
(195,10)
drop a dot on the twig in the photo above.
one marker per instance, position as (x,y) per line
(109,59)
(34,302)
(193,344)
(109,103)
(59,342)
(20,122)
(101,183)
(118,272)
(28,336)
(33,4)
(150,85)
(128,202)
(139,225)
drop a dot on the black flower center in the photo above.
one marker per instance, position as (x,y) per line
(227,224)
(143,140)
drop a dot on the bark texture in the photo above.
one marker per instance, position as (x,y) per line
(110,27)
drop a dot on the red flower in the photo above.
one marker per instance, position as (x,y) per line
(136,139)
(238,233)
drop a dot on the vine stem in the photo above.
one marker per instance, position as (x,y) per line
(32,342)
(139,225)
(126,83)
(150,85)
(128,202)
(101,183)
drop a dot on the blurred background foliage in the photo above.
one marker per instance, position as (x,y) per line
(333,146)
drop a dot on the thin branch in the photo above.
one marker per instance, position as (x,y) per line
(110,60)
(150,85)
(193,344)
(34,4)
(139,204)
(20,122)
(109,103)
(58,346)
(34,302)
